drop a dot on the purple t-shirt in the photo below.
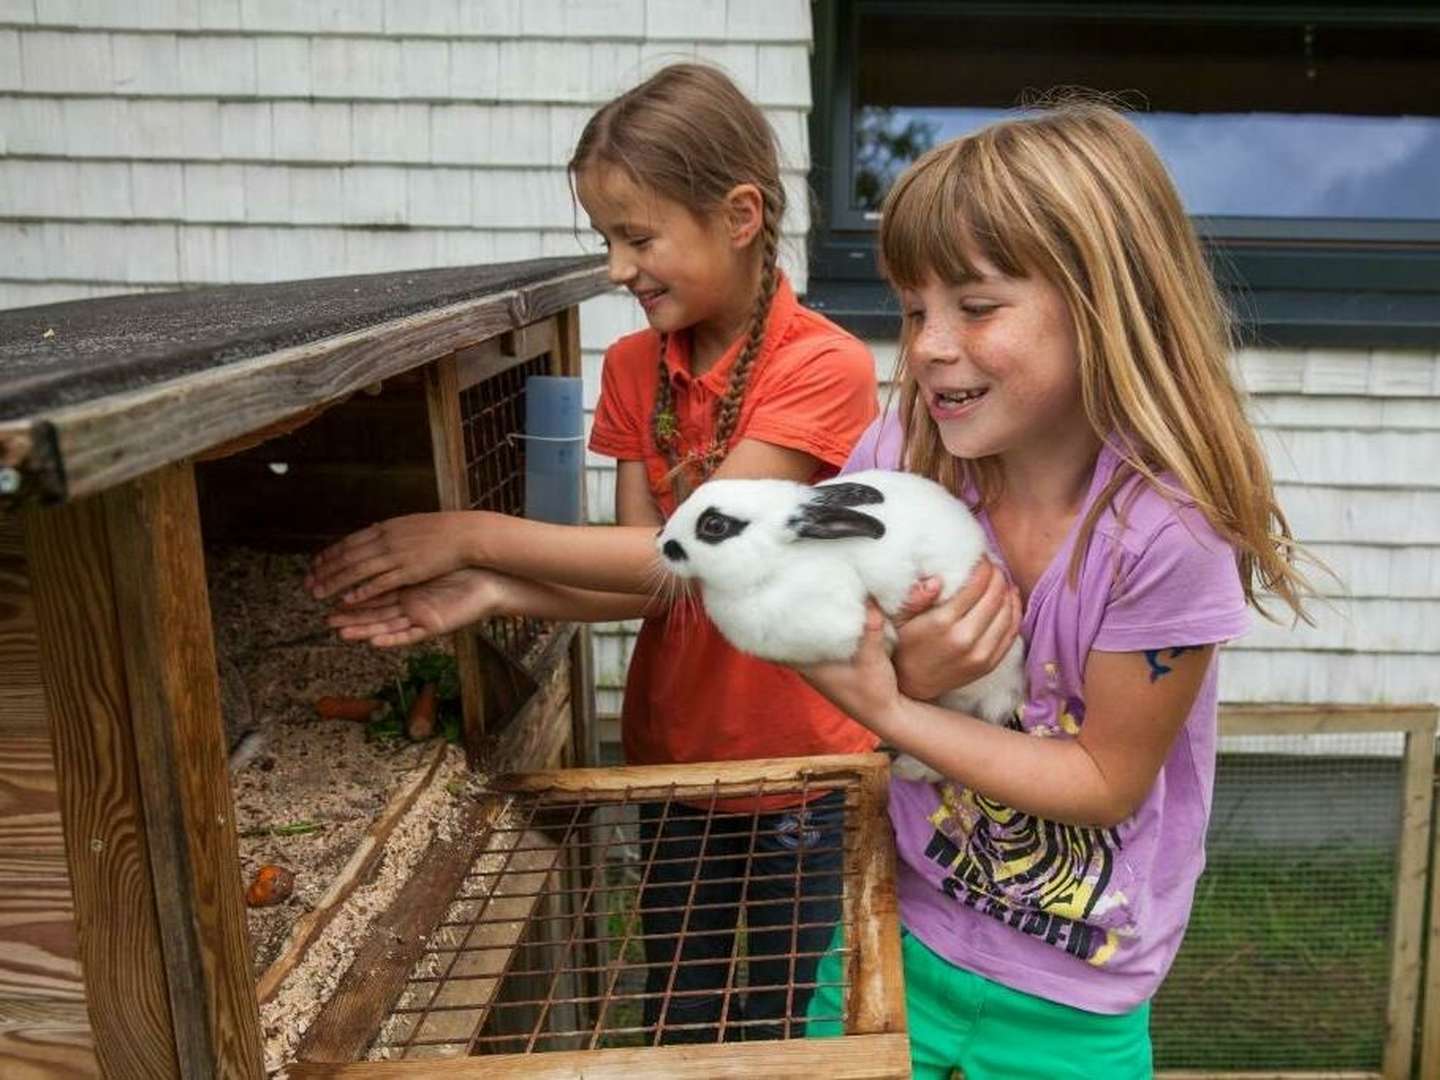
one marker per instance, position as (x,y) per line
(1085,916)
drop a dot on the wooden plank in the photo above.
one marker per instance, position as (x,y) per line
(46,1041)
(1430,1020)
(1323,719)
(22,696)
(539,735)
(161,597)
(99,785)
(1407,923)
(877,981)
(851,1057)
(527,342)
(817,770)
(568,356)
(483,360)
(442,402)
(39,953)
(39,945)
(475,981)
(370,986)
(356,870)
(187,416)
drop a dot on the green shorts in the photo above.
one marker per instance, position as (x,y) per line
(960,1020)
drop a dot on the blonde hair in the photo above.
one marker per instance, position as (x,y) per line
(688,134)
(1075,194)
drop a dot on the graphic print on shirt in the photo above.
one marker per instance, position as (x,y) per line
(1059,883)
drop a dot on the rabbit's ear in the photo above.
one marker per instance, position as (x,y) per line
(845,493)
(818,520)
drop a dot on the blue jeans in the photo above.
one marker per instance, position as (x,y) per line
(783,869)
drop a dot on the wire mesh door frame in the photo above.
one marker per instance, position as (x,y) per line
(1417,724)
(874,1044)
(475,402)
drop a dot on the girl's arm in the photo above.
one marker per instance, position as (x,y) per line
(417,613)
(1135,705)
(610,558)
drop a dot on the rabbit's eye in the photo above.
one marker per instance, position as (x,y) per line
(713,526)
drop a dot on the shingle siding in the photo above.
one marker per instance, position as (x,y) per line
(1352,438)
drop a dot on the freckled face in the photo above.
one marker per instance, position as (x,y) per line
(996,362)
(683,269)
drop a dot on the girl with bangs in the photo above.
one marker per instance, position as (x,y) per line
(680,176)
(1066,371)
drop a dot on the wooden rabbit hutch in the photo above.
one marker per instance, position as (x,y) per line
(139,436)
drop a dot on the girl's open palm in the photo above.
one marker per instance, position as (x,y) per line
(955,642)
(417,613)
(386,556)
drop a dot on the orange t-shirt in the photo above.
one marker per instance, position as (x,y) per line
(690,696)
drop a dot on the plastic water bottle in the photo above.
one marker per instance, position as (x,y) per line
(554,448)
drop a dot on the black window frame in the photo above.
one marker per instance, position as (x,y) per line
(1338,282)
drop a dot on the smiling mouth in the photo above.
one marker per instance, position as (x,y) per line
(953,399)
(648,296)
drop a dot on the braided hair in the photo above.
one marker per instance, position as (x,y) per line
(690,135)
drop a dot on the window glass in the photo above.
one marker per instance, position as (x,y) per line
(1280,118)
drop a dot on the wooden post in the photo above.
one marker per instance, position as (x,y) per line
(163,619)
(442,396)
(1430,1020)
(102,809)
(876,999)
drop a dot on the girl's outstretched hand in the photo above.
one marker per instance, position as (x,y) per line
(865,688)
(943,646)
(417,613)
(389,555)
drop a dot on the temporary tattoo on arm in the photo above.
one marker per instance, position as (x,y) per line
(1157,669)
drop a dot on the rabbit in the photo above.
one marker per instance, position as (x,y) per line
(784,569)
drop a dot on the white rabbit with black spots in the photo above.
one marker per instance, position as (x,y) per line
(784,570)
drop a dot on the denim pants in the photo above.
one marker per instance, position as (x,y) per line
(783,870)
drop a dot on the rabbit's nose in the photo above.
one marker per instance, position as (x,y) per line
(673,551)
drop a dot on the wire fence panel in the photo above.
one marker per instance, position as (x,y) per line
(1302,949)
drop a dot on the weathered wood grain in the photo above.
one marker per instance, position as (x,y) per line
(114,438)
(447,448)
(855,1057)
(370,986)
(1407,939)
(46,1041)
(99,786)
(681,778)
(22,697)
(163,602)
(877,984)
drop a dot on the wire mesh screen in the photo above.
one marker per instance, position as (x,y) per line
(1287,960)
(638,916)
(491,412)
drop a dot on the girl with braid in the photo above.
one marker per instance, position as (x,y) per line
(733,378)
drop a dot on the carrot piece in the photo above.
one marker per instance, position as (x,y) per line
(420,724)
(271,884)
(346,708)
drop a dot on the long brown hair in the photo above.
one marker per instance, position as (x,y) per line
(1075,194)
(688,134)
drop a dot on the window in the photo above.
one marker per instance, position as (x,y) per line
(1304,138)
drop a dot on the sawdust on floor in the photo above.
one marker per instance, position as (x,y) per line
(306,790)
